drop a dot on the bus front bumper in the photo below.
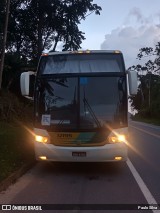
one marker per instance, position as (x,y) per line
(106,153)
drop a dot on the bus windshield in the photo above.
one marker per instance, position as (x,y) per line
(81,103)
(81,63)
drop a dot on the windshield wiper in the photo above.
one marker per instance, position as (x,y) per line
(60,82)
(86,104)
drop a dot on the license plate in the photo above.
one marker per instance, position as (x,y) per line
(79,154)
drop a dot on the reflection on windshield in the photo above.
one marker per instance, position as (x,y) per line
(82,102)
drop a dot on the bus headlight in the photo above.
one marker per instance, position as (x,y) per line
(41,139)
(117,139)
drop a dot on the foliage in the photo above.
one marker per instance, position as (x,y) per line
(12,69)
(15,137)
(13,110)
(38,25)
(16,148)
(2,15)
(147,100)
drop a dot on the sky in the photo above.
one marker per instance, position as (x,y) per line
(124,25)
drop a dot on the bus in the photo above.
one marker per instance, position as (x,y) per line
(80,105)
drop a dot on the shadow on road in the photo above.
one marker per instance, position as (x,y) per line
(77,168)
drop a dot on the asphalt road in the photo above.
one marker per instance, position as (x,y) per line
(135,182)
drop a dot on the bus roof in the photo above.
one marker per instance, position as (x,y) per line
(82,52)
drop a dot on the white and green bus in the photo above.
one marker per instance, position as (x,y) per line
(80,106)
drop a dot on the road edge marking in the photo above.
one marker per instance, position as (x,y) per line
(146,125)
(142,130)
(144,189)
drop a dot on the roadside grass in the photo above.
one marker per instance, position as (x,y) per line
(16,147)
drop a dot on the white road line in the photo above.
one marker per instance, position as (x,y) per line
(145,124)
(142,130)
(147,194)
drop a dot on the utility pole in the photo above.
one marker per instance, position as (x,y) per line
(4,41)
(149,91)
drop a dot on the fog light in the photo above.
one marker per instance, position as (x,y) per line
(43,157)
(118,158)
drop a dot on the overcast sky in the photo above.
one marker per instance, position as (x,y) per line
(126,25)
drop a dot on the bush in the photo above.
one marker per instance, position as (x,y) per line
(17,148)
(155,109)
(145,113)
(12,108)
(16,138)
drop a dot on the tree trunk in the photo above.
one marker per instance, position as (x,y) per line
(40,25)
(4,41)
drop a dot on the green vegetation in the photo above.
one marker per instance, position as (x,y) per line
(16,148)
(13,109)
(147,100)
(35,26)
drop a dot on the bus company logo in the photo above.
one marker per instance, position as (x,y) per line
(20,207)
(6,207)
(64,135)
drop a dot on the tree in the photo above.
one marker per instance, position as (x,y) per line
(41,24)
(152,65)
(38,25)
(3,46)
(147,100)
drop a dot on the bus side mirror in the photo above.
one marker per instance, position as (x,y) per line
(133,82)
(27,81)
